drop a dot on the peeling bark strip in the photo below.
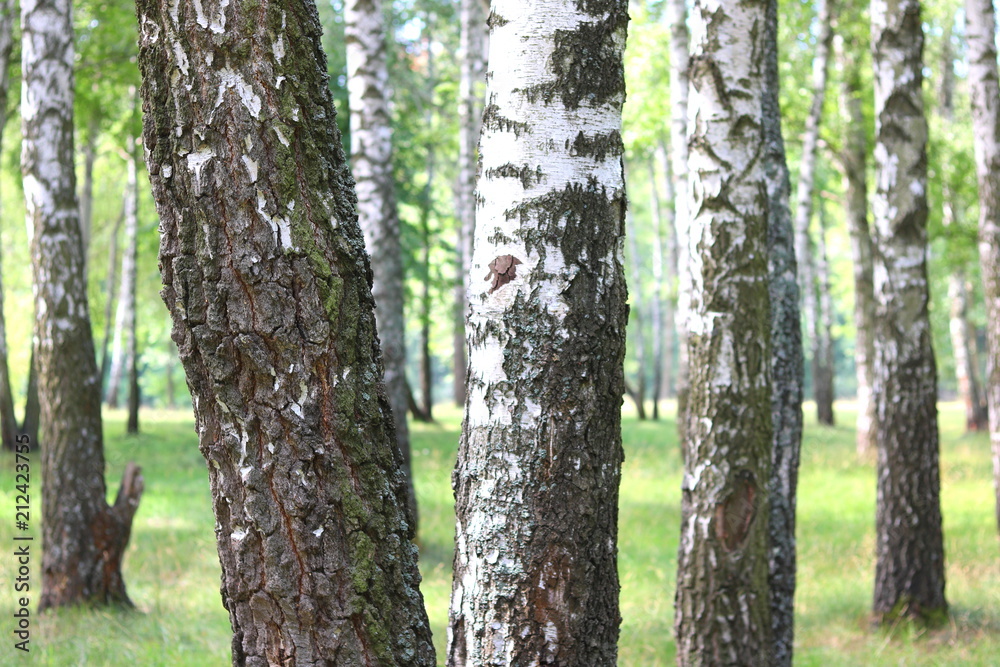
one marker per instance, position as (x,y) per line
(981,29)
(786,362)
(371,166)
(265,276)
(722,611)
(536,485)
(83,540)
(909,573)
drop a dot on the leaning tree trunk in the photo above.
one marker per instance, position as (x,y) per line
(267,283)
(8,424)
(371,165)
(981,31)
(109,290)
(804,191)
(786,361)
(671,250)
(677,17)
(87,189)
(909,573)
(472,75)
(976,415)
(722,610)
(854,161)
(83,539)
(823,375)
(536,485)
(125,313)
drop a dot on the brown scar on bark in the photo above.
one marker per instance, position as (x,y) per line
(502,271)
(736,513)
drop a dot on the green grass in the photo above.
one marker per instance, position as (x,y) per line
(173,574)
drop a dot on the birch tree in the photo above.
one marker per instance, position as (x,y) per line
(854,162)
(909,573)
(804,212)
(83,539)
(8,424)
(980,33)
(722,609)
(267,282)
(786,360)
(371,165)
(536,484)
(472,54)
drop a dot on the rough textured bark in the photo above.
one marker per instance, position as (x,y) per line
(83,539)
(804,192)
(473,41)
(8,424)
(722,610)
(854,162)
(267,282)
(371,165)
(637,391)
(677,17)
(985,93)
(909,573)
(786,361)
(536,485)
(823,375)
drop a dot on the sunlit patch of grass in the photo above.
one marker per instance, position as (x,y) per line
(172,569)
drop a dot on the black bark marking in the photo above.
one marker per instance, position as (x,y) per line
(502,271)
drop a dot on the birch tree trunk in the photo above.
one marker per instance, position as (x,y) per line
(267,282)
(677,17)
(129,273)
(804,190)
(125,311)
(536,485)
(976,416)
(83,539)
(8,423)
(786,361)
(371,166)
(722,610)
(655,310)
(87,189)
(109,290)
(985,93)
(909,573)
(473,43)
(823,377)
(638,311)
(854,161)
(672,331)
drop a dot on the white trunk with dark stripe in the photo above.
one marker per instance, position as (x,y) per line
(981,28)
(124,343)
(371,166)
(536,485)
(722,612)
(909,573)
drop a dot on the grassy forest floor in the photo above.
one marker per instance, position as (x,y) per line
(172,571)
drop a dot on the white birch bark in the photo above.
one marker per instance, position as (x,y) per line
(722,612)
(473,42)
(125,314)
(536,484)
(676,16)
(909,573)
(985,93)
(8,425)
(371,166)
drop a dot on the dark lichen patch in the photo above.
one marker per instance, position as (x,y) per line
(493,120)
(597,146)
(586,65)
(494,21)
(527,175)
